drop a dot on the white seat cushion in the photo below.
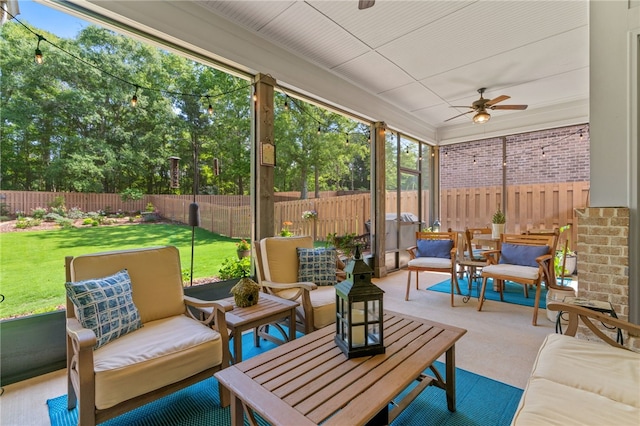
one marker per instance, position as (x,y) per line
(515,271)
(430,262)
(154,356)
(578,382)
(323,301)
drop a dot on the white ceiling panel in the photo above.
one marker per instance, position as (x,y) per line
(412,97)
(389,20)
(305,31)
(253,15)
(481,30)
(374,72)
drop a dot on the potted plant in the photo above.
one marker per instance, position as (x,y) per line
(497,223)
(565,256)
(244,249)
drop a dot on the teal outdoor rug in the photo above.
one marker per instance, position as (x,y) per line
(479,401)
(513,293)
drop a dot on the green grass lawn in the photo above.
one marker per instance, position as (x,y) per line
(32,272)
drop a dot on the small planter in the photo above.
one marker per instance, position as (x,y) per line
(496,230)
(243,253)
(570,264)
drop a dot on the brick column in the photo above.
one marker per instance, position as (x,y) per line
(603,259)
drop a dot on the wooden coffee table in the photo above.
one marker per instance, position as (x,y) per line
(310,381)
(269,310)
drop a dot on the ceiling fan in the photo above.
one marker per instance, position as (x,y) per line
(481,106)
(365,4)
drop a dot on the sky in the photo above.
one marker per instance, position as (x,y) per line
(35,15)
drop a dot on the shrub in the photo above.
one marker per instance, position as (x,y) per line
(235,268)
(150,208)
(75,213)
(88,221)
(27,222)
(53,217)
(65,223)
(57,203)
(4,209)
(62,211)
(38,212)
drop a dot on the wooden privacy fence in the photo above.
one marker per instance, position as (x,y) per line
(540,206)
(26,201)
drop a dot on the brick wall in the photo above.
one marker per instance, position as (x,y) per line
(479,163)
(603,260)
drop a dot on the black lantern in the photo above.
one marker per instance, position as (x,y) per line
(359,311)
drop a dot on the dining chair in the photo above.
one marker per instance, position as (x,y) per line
(435,252)
(523,259)
(556,234)
(471,259)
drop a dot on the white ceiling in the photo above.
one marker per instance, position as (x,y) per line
(410,59)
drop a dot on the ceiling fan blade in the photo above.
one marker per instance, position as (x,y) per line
(496,100)
(460,106)
(509,107)
(456,116)
(365,4)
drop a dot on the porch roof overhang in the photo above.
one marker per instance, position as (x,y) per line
(542,63)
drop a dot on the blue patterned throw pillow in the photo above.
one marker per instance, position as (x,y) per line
(105,305)
(317,265)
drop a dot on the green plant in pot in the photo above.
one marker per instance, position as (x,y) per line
(497,223)
(565,259)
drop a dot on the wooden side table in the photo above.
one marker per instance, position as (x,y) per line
(269,310)
(594,305)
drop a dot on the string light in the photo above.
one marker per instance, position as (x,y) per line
(38,56)
(580,133)
(255,97)
(134,98)
(286,103)
(543,152)
(474,159)
(210,109)
(319,130)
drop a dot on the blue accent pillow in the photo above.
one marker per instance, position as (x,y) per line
(317,265)
(523,255)
(435,248)
(105,305)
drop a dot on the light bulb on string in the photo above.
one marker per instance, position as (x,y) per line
(255,97)
(134,98)
(286,104)
(319,130)
(347,141)
(543,152)
(38,55)
(580,134)
(210,109)
(369,138)
(474,159)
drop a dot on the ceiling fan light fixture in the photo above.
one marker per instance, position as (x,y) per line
(481,117)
